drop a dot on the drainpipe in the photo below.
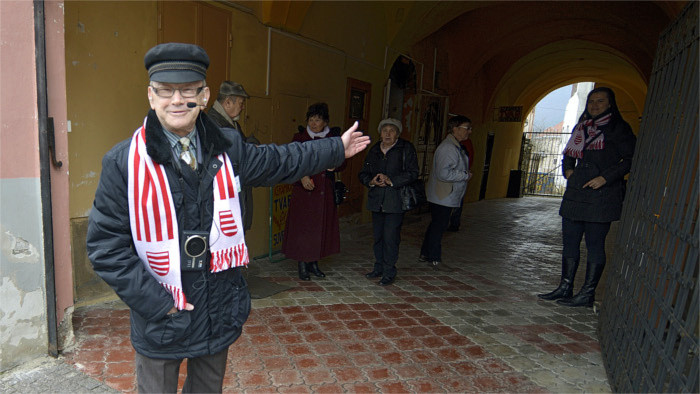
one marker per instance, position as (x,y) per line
(45,173)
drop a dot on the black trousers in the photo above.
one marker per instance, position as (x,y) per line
(572,233)
(387,237)
(204,374)
(440,217)
(456,217)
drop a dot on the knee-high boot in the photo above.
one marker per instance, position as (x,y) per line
(566,285)
(586,296)
(313,268)
(303,272)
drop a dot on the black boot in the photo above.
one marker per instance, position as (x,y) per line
(313,268)
(303,273)
(566,285)
(586,296)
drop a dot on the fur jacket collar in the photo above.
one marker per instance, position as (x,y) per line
(210,136)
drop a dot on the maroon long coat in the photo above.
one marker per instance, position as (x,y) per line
(312,232)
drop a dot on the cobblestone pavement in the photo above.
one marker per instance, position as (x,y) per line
(475,327)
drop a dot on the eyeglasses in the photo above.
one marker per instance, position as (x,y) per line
(169,92)
(465,127)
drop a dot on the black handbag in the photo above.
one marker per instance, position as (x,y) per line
(413,194)
(340,192)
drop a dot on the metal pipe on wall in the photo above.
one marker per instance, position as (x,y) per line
(45,174)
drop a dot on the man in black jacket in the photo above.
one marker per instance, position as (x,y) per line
(225,112)
(164,230)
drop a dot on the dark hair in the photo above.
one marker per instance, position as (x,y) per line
(611,98)
(318,109)
(456,121)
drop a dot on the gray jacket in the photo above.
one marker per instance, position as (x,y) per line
(448,177)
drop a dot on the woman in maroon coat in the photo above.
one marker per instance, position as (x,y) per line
(312,231)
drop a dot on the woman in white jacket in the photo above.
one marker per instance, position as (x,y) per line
(446,187)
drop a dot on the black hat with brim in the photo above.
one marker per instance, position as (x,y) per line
(176,63)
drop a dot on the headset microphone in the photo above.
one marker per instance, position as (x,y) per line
(192,104)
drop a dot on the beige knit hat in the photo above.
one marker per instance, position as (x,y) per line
(390,121)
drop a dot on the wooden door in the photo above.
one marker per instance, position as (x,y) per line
(202,24)
(357,103)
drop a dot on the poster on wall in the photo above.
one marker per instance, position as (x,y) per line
(281,194)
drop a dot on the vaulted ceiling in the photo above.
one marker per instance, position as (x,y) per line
(511,52)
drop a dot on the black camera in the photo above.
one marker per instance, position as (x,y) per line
(193,251)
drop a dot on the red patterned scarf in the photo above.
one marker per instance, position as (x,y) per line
(587,136)
(154,226)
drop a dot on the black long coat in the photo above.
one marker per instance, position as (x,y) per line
(613,162)
(387,199)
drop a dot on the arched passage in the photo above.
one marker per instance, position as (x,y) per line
(513,54)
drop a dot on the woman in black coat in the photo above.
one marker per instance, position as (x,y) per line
(390,164)
(596,159)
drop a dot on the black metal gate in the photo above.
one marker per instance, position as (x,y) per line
(648,324)
(541,163)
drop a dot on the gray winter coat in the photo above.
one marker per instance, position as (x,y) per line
(449,175)
(221,301)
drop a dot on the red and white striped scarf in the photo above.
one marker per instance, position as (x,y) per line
(587,136)
(154,226)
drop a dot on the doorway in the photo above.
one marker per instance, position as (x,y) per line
(357,100)
(487,164)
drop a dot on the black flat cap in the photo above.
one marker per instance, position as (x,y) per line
(175,62)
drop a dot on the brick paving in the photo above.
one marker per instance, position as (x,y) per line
(476,327)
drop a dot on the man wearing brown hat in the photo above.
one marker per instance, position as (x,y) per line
(165,228)
(225,112)
(228,106)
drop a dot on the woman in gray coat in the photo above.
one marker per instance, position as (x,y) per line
(446,187)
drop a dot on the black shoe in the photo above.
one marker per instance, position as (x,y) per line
(563,291)
(373,274)
(422,259)
(303,272)
(313,268)
(577,300)
(386,281)
(566,284)
(440,266)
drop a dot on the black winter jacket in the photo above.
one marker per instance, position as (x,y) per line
(387,199)
(612,162)
(221,301)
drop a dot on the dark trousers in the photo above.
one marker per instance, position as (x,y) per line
(439,218)
(456,217)
(572,232)
(204,374)
(387,236)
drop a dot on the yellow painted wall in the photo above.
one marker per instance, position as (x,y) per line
(105,83)
(106,79)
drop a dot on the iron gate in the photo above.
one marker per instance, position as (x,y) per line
(541,164)
(648,324)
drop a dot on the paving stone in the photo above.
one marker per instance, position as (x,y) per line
(521,363)
(431,331)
